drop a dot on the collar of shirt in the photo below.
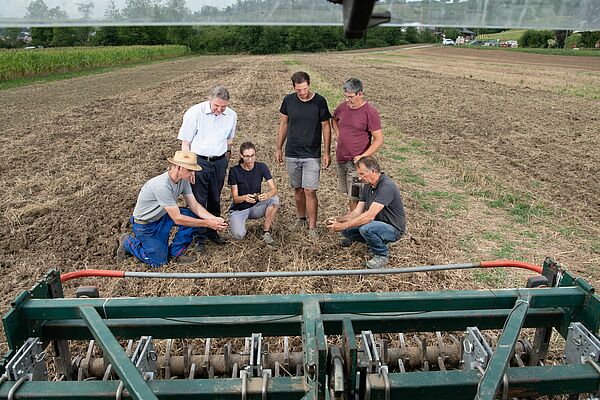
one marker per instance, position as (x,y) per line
(206,109)
(378,182)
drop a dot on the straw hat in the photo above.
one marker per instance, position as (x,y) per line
(185,159)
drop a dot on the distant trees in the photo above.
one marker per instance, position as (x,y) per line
(41,36)
(283,39)
(559,39)
(205,39)
(590,39)
(452,33)
(229,39)
(534,38)
(37,9)
(85,9)
(11,38)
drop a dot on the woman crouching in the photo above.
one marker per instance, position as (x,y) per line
(245,180)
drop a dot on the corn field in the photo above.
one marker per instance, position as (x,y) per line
(15,64)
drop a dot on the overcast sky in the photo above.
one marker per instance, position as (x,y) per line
(18,8)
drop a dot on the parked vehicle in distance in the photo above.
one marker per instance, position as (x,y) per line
(447,42)
(491,43)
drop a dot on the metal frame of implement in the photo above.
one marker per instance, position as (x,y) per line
(568,305)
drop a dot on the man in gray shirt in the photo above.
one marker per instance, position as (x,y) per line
(156,212)
(378,218)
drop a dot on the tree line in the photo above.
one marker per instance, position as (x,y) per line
(222,39)
(559,39)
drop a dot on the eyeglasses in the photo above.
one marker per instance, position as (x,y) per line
(249,155)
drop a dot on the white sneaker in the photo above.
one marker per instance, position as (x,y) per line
(267,238)
(313,233)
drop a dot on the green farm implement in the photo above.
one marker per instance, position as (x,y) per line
(405,345)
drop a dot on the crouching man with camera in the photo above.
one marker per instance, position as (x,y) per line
(245,180)
(377,219)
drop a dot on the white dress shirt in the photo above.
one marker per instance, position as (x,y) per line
(207,133)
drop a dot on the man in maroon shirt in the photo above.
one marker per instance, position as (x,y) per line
(358,129)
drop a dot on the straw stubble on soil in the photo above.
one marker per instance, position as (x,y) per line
(74,163)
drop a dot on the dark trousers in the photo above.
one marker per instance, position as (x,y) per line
(207,190)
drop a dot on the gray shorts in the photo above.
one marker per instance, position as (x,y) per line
(346,175)
(237,218)
(304,172)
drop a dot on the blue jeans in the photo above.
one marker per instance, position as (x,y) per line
(151,241)
(376,234)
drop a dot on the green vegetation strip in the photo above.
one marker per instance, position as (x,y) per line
(512,34)
(18,64)
(552,52)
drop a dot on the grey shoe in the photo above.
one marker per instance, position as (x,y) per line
(377,262)
(346,242)
(121,254)
(267,238)
(313,233)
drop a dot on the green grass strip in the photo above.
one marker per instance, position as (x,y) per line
(553,52)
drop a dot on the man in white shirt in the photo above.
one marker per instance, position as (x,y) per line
(208,130)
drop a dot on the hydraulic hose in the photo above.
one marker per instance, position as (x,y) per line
(285,274)
(509,263)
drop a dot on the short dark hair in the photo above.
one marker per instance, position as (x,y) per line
(370,163)
(353,85)
(300,77)
(246,146)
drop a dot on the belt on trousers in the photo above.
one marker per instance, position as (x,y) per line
(141,221)
(211,158)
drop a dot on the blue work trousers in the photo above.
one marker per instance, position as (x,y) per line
(151,241)
(207,190)
(376,234)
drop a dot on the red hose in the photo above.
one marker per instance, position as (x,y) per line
(92,272)
(509,263)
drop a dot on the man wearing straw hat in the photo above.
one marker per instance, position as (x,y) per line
(156,212)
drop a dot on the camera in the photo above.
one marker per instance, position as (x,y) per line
(357,187)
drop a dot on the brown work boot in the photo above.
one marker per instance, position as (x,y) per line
(121,254)
(186,259)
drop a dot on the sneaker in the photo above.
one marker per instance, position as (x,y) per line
(377,262)
(121,254)
(346,242)
(267,238)
(299,224)
(186,259)
(218,240)
(313,233)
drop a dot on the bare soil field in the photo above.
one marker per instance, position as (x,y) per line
(496,154)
